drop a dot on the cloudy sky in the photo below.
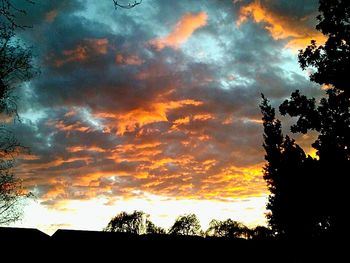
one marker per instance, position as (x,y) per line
(155,108)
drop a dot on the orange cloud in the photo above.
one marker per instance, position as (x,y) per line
(182,31)
(182,121)
(60,125)
(143,152)
(186,120)
(128,60)
(156,112)
(298,34)
(74,149)
(203,117)
(85,50)
(55,163)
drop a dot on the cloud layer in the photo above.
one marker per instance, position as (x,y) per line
(160,99)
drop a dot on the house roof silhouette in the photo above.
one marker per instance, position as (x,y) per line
(22,234)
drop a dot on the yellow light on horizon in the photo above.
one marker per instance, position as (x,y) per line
(95,214)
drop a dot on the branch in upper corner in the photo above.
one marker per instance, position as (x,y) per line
(9,12)
(128,6)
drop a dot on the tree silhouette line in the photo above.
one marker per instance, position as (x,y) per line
(138,223)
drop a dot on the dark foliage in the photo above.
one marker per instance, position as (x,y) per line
(133,223)
(309,196)
(16,67)
(289,176)
(227,228)
(331,60)
(187,225)
(261,233)
(152,229)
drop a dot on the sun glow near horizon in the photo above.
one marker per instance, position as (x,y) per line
(96,213)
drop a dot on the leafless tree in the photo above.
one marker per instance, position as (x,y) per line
(16,66)
(12,193)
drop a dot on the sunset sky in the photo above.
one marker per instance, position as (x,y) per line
(155,108)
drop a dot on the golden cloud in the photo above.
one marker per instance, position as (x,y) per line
(155,112)
(74,149)
(182,31)
(295,30)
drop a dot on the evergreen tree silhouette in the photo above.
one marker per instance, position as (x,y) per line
(290,176)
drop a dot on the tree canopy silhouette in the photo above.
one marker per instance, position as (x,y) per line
(227,228)
(135,223)
(290,176)
(331,117)
(331,60)
(261,233)
(187,225)
(315,189)
(151,228)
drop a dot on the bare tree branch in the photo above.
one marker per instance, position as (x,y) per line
(16,67)
(126,6)
(9,12)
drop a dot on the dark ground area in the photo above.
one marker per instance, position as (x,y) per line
(73,245)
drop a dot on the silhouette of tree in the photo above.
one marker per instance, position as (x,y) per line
(9,10)
(330,118)
(134,223)
(12,197)
(16,66)
(331,60)
(261,233)
(227,228)
(273,140)
(186,225)
(151,228)
(289,175)
(12,194)
(15,57)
